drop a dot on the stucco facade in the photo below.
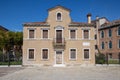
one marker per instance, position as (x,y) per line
(59,41)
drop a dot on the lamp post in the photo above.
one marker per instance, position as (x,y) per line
(106,54)
(10,50)
(119,57)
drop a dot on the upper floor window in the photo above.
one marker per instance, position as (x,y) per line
(102,45)
(32,33)
(59,17)
(118,43)
(86,34)
(45,34)
(102,34)
(110,44)
(109,32)
(118,30)
(72,34)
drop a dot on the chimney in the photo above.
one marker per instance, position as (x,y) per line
(89,17)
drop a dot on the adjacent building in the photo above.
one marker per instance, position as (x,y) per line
(109,39)
(59,41)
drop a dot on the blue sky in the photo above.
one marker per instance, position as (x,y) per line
(13,13)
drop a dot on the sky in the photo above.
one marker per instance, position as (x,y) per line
(13,13)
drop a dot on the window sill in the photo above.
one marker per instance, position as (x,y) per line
(72,59)
(45,59)
(31,59)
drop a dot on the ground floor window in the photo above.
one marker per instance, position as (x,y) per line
(31,54)
(86,54)
(44,54)
(72,54)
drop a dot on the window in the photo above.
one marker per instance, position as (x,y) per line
(73,54)
(95,36)
(110,55)
(31,33)
(86,53)
(119,43)
(86,34)
(59,17)
(45,34)
(110,44)
(118,31)
(72,34)
(102,45)
(102,34)
(45,54)
(109,33)
(31,54)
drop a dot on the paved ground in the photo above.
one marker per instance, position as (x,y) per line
(67,73)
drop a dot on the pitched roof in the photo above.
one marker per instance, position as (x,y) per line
(82,24)
(58,6)
(110,24)
(3,28)
(36,24)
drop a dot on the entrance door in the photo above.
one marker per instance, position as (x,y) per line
(59,36)
(59,59)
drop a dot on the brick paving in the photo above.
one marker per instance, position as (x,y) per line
(66,73)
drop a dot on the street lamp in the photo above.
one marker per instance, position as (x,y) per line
(106,54)
(10,50)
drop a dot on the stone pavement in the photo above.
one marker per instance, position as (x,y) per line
(65,73)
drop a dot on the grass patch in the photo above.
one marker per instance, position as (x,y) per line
(12,63)
(113,61)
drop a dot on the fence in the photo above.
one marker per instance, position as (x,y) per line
(10,58)
(104,59)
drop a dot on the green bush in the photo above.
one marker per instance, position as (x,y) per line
(100,58)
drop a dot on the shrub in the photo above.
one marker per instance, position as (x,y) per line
(100,58)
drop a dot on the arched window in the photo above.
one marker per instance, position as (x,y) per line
(109,32)
(110,44)
(59,17)
(118,30)
(102,46)
(102,34)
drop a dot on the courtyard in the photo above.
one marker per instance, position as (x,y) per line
(60,73)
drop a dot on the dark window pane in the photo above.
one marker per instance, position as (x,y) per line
(31,33)
(86,34)
(86,53)
(59,16)
(45,33)
(31,53)
(72,34)
(73,54)
(45,54)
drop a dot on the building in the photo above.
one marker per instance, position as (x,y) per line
(59,41)
(109,39)
(3,28)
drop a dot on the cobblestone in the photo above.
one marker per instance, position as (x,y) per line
(66,73)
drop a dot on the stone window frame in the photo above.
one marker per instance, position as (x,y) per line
(70,54)
(109,32)
(28,53)
(84,55)
(29,33)
(59,12)
(42,54)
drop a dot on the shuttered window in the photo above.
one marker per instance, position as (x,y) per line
(86,53)
(72,34)
(31,53)
(45,54)
(45,34)
(86,34)
(31,33)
